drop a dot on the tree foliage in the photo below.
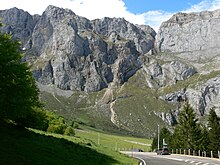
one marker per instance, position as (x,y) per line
(19,99)
(214,131)
(18,92)
(187,133)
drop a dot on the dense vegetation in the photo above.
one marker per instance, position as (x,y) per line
(189,133)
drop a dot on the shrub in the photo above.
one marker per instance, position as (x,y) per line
(37,119)
(58,128)
(69,131)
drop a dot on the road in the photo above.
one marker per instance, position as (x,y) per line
(149,158)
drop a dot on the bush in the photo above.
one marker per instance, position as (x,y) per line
(37,119)
(69,131)
(59,128)
(76,126)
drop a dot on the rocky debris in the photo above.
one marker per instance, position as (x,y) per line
(55,91)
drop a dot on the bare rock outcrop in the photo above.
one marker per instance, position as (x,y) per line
(192,36)
(74,53)
(202,98)
(160,75)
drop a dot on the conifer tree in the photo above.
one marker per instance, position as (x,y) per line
(187,132)
(214,131)
(204,141)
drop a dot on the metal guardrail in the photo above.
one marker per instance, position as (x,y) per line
(211,154)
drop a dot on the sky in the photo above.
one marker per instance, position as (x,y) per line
(148,12)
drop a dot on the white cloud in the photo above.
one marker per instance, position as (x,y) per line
(90,9)
(155,18)
(93,9)
(209,5)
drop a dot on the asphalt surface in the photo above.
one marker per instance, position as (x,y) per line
(149,158)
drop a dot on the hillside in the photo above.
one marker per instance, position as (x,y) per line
(28,146)
(117,76)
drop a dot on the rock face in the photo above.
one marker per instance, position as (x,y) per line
(18,23)
(193,35)
(202,98)
(193,38)
(205,96)
(74,53)
(167,74)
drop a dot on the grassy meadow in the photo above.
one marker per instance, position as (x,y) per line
(20,146)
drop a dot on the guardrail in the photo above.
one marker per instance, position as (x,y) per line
(211,154)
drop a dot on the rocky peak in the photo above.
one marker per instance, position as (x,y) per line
(56,14)
(18,22)
(193,34)
(141,35)
(74,53)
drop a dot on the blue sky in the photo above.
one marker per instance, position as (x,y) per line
(148,12)
(141,6)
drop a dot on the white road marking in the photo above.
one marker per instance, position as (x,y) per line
(198,163)
(141,160)
(192,161)
(175,159)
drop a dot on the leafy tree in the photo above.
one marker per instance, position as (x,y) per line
(18,92)
(187,133)
(214,131)
(19,99)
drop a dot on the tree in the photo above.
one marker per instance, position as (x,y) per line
(204,141)
(187,132)
(164,134)
(18,92)
(214,131)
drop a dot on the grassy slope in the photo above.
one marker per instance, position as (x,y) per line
(137,110)
(23,146)
(114,142)
(135,106)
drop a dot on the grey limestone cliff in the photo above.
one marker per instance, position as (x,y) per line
(192,36)
(74,53)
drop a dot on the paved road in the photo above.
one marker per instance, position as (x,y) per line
(149,158)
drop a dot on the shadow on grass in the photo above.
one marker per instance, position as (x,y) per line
(19,146)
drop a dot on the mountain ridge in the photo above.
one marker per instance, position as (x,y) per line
(77,63)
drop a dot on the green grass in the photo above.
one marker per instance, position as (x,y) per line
(135,106)
(114,142)
(21,146)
